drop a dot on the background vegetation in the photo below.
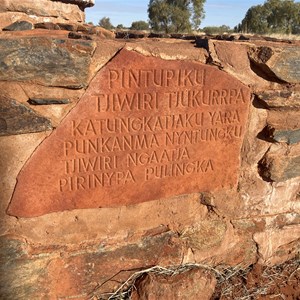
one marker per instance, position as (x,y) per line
(174,16)
(274,16)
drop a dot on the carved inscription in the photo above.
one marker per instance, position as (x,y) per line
(148,130)
(159,143)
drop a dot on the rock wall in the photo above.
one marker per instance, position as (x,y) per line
(65,11)
(237,210)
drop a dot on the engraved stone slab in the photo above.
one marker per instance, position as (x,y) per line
(145,129)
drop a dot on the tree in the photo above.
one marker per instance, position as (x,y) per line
(255,20)
(283,15)
(139,25)
(175,15)
(105,23)
(120,26)
(274,16)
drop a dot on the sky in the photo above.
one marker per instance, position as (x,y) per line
(217,12)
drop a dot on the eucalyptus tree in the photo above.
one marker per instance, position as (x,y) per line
(274,16)
(175,15)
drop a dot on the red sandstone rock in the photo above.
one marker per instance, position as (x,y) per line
(281,63)
(194,284)
(81,3)
(133,137)
(277,245)
(68,254)
(169,49)
(80,275)
(280,163)
(283,126)
(284,99)
(103,33)
(43,8)
(233,58)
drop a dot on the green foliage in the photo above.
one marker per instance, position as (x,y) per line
(120,26)
(175,15)
(139,25)
(274,16)
(216,29)
(198,14)
(105,23)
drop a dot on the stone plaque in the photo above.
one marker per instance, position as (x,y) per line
(145,129)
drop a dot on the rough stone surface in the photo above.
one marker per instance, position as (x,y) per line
(60,277)
(78,36)
(81,3)
(169,50)
(102,163)
(47,25)
(45,60)
(287,136)
(103,33)
(190,285)
(282,126)
(16,118)
(43,8)
(17,274)
(55,113)
(286,65)
(85,253)
(19,26)
(233,58)
(284,119)
(280,163)
(285,99)
(281,63)
(278,244)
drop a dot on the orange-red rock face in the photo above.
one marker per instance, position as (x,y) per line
(42,11)
(145,129)
(85,253)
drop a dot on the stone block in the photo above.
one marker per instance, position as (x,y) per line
(283,127)
(45,9)
(281,63)
(169,50)
(286,136)
(280,163)
(149,130)
(195,284)
(282,99)
(19,26)
(7,18)
(29,273)
(233,58)
(16,118)
(45,60)
(19,275)
(47,25)
(81,3)
(278,244)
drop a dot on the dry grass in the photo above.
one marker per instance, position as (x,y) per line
(232,282)
(125,289)
(257,281)
(282,36)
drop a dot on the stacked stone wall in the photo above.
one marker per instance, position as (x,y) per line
(67,234)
